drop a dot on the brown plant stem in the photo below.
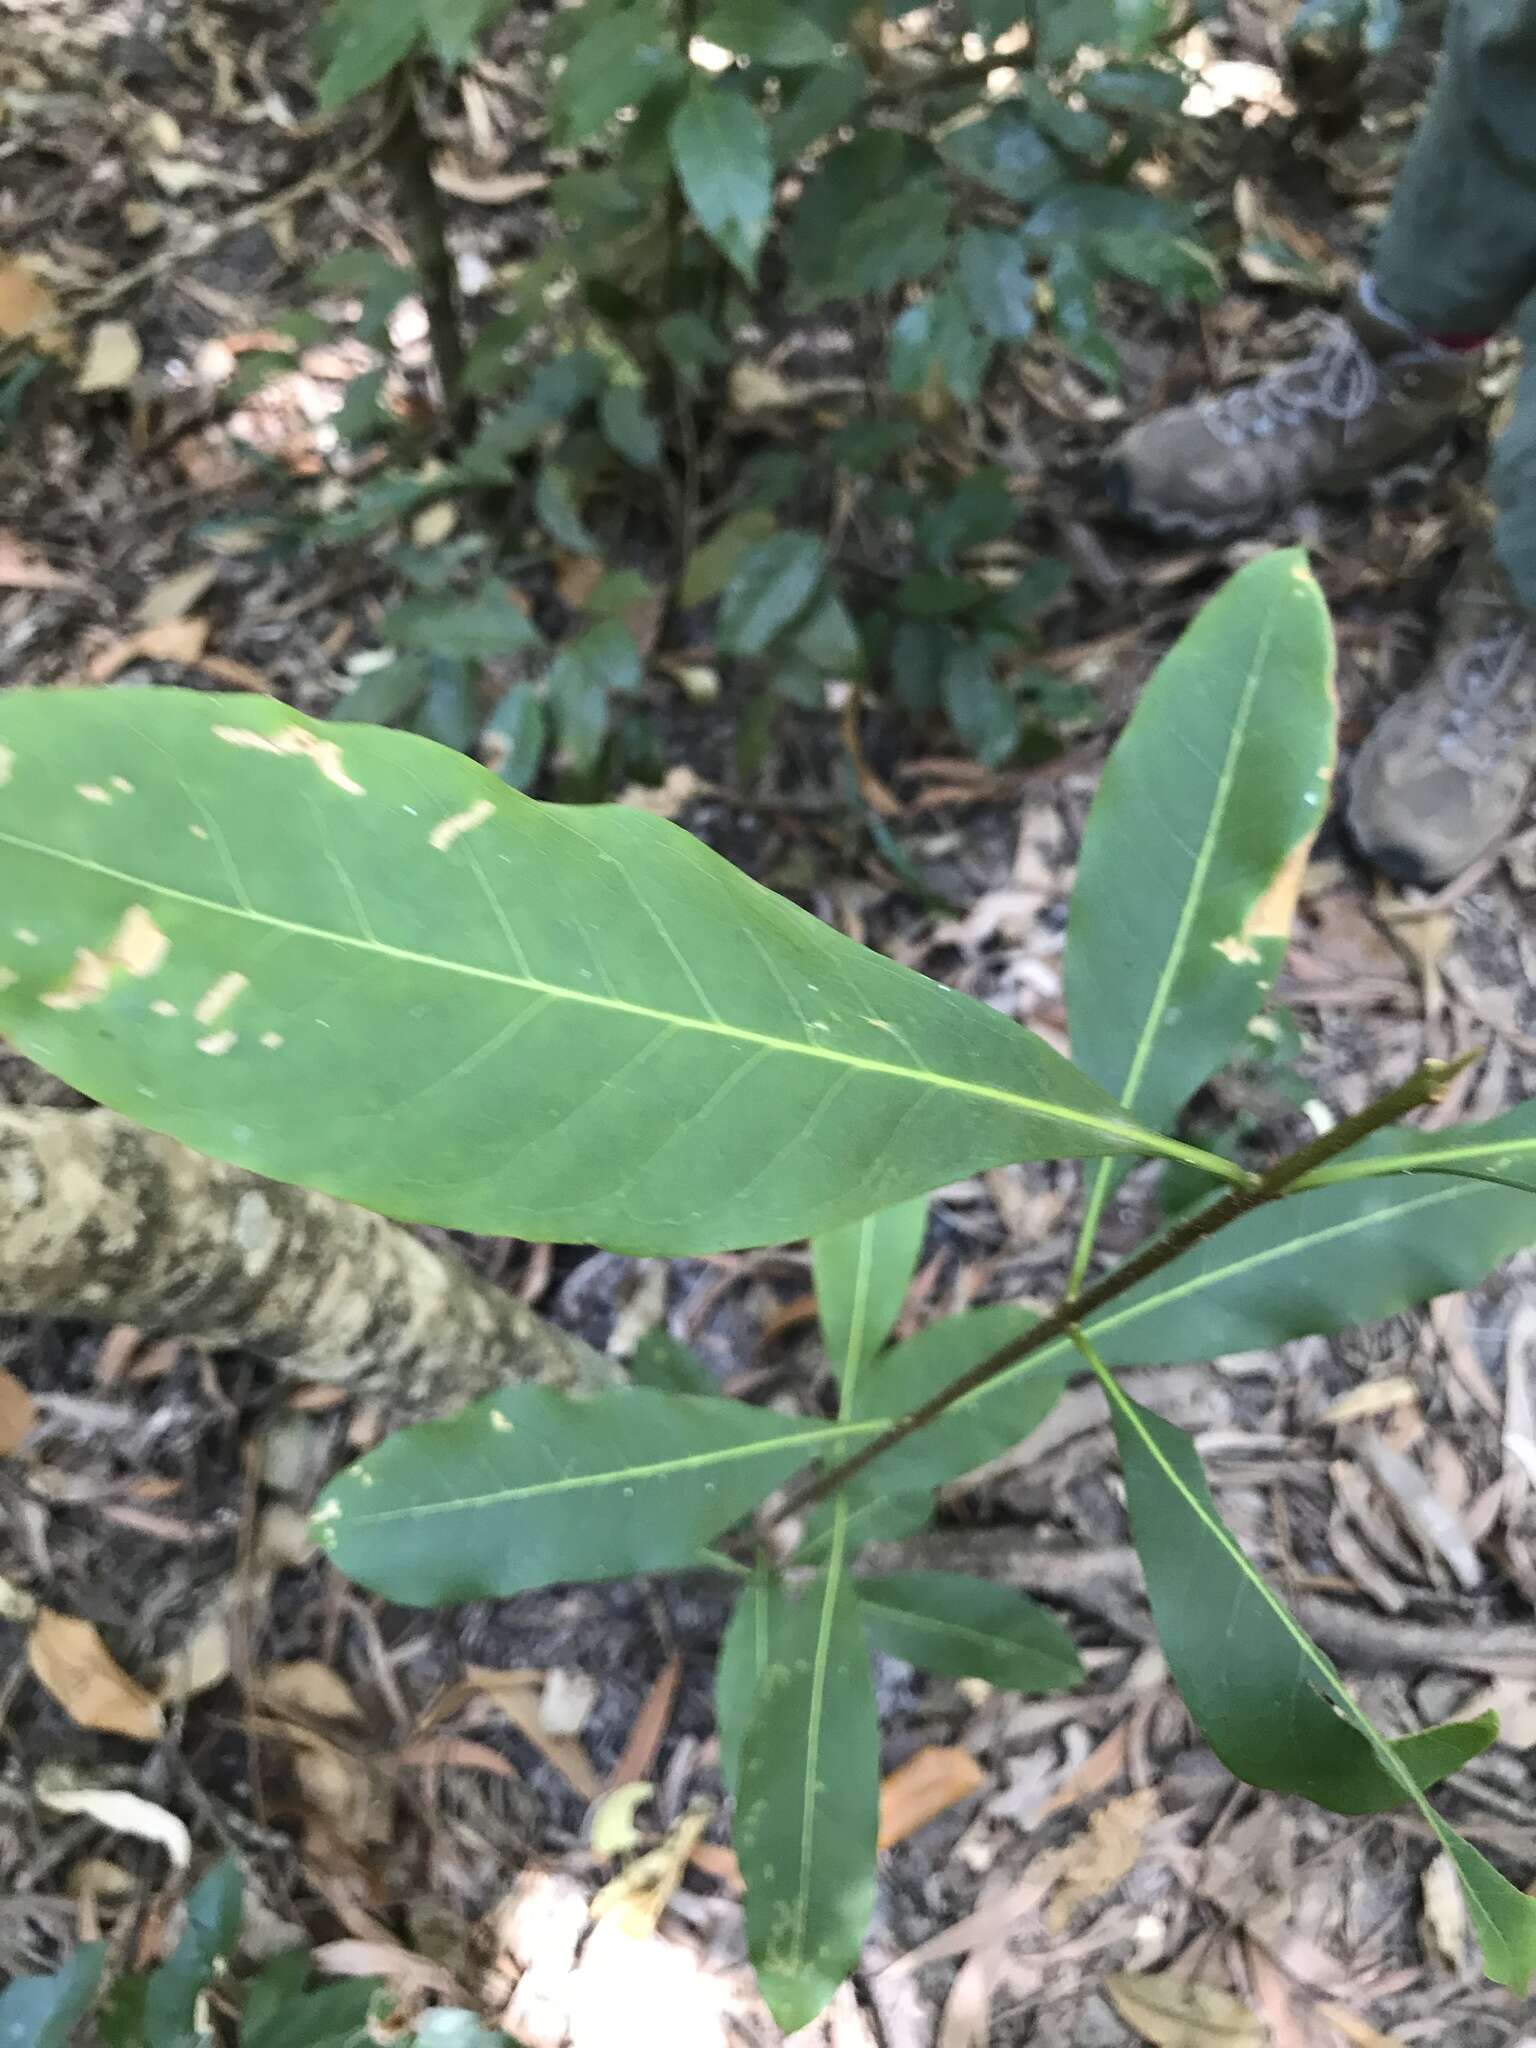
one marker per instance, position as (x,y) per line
(1422,1086)
(408,157)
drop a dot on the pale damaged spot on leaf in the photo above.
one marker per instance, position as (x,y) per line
(272,1040)
(217,1043)
(500,1422)
(121,782)
(25,937)
(8,977)
(93,792)
(218,999)
(162,1008)
(442,836)
(7,763)
(198,831)
(88,981)
(138,945)
(1240,951)
(295,742)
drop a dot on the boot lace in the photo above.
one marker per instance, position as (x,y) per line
(1339,380)
(1488,685)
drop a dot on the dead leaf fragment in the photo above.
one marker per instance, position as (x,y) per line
(1445,1912)
(925,1786)
(1175,2012)
(69,1659)
(112,357)
(26,304)
(500,189)
(636,1899)
(335,1780)
(517,1695)
(1107,1851)
(125,1813)
(18,1414)
(174,596)
(23,568)
(172,640)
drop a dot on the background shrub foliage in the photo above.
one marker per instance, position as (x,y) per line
(463,1006)
(725,177)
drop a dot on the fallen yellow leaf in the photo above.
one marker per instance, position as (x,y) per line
(1176,2012)
(112,357)
(69,1659)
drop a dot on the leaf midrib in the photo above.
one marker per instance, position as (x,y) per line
(677,1020)
(909,1619)
(805,1440)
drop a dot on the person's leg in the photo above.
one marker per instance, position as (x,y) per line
(1457,255)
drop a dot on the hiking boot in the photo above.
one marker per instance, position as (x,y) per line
(1370,394)
(1443,776)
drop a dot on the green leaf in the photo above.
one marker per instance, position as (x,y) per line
(43,2012)
(383,694)
(1004,150)
(829,639)
(807,1811)
(453,27)
(1501,1151)
(212,1930)
(513,738)
(1270,1703)
(279,2013)
(769,589)
(579,1023)
(720,149)
(1145,89)
(818,101)
(711,566)
(619,57)
(1075,313)
(1205,811)
(945,1621)
(994,270)
(691,346)
(980,708)
(876,213)
(936,346)
(584,675)
(556,508)
(479,627)
(872,1518)
(739,1670)
(365,41)
(771,31)
(628,427)
(862,1272)
(449,712)
(532,1487)
(666,1363)
(1174,268)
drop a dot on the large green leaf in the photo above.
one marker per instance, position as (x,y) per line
(769,588)
(721,153)
(944,1621)
(212,1930)
(862,1272)
(362,41)
(1502,1151)
(744,1657)
(1269,1702)
(617,57)
(348,958)
(772,31)
(531,1487)
(807,1807)
(1316,1262)
(875,214)
(43,2012)
(1206,807)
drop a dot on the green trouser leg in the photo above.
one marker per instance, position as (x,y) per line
(1458,252)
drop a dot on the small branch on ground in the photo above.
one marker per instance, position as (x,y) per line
(102,1220)
(408,158)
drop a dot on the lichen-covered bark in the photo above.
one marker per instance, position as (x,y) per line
(102,1220)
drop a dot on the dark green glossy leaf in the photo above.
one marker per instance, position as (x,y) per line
(720,149)
(513,738)
(619,55)
(365,40)
(770,587)
(449,712)
(829,639)
(874,215)
(212,1930)
(453,27)
(1145,89)
(1004,149)
(920,652)
(667,1364)
(1270,1703)
(628,427)
(994,268)
(383,694)
(967,1628)
(287,2016)
(980,708)
(43,2012)
(1501,1151)
(691,346)
(772,31)
(807,1808)
(558,512)
(873,1518)
(862,1272)
(1075,313)
(818,101)
(479,627)
(935,346)
(1172,267)
(581,1024)
(744,1657)
(533,1487)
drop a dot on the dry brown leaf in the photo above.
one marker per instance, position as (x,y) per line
(172,640)
(125,1813)
(517,1694)
(1359,2033)
(69,1659)
(925,1786)
(238,674)
(336,1782)
(650,1725)
(201,1663)
(176,174)
(174,596)
(18,1413)
(382,1959)
(434,1752)
(1175,2012)
(677,790)
(1107,1851)
(26,304)
(500,189)
(23,568)
(112,357)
